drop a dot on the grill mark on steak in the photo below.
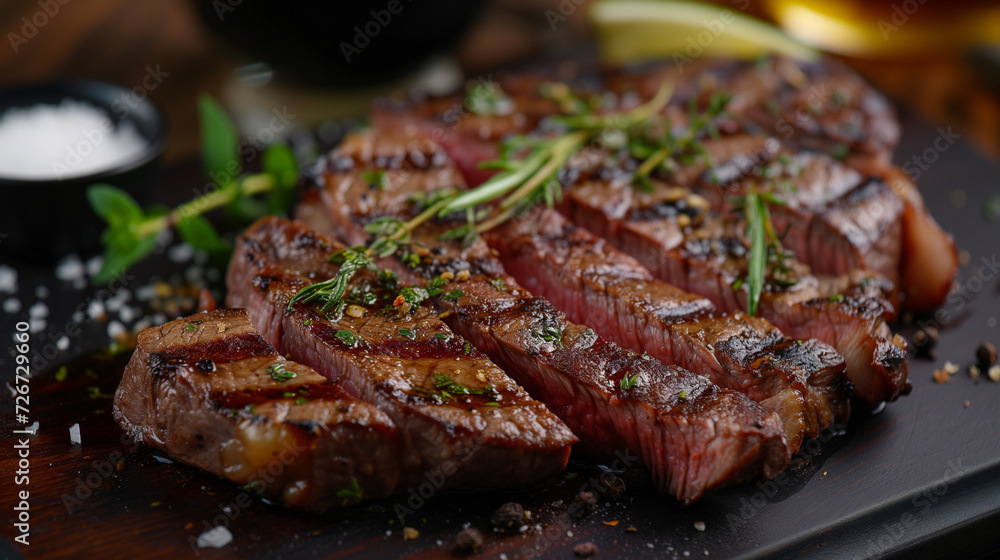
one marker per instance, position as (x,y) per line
(520,441)
(692,434)
(707,258)
(205,397)
(594,283)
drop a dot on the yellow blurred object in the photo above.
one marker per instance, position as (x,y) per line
(630,30)
(889,28)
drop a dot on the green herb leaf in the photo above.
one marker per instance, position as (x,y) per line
(406,333)
(629,382)
(280,162)
(331,291)
(219,141)
(199,233)
(756,213)
(279,373)
(114,205)
(350,494)
(347,337)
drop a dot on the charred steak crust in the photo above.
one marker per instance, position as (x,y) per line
(492,436)
(690,433)
(201,390)
(595,283)
(707,257)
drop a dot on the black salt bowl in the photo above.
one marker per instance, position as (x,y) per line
(42,220)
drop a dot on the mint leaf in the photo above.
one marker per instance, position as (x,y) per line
(219,141)
(114,205)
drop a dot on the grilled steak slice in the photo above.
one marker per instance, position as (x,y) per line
(690,433)
(459,416)
(781,109)
(707,256)
(595,283)
(821,106)
(209,391)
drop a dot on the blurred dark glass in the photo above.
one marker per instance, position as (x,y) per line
(340,44)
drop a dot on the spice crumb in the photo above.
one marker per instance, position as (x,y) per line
(611,523)
(631,529)
(974,372)
(994,373)
(967,403)
(409,533)
(986,353)
(463,275)
(941,376)
(585,550)
(951,368)
(699,525)
(447,275)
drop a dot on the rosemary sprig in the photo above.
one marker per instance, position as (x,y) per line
(765,248)
(756,214)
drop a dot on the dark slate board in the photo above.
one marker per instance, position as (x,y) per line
(921,477)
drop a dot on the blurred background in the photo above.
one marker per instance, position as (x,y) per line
(325,65)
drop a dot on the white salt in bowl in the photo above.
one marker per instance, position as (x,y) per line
(56,139)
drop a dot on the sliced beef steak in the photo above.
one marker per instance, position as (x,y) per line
(707,256)
(593,282)
(821,106)
(859,213)
(212,393)
(458,416)
(692,434)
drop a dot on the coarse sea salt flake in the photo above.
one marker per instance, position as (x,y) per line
(69,268)
(38,309)
(216,537)
(74,434)
(12,305)
(8,279)
(38,139)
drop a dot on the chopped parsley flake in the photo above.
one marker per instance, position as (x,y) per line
(467,348)
(347,337)
(837,298)
(279,373)
(629,382)
(499,284)
(190,327)
(300,401)
(350,494)
(375,178)
(406,333)
(452,295)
